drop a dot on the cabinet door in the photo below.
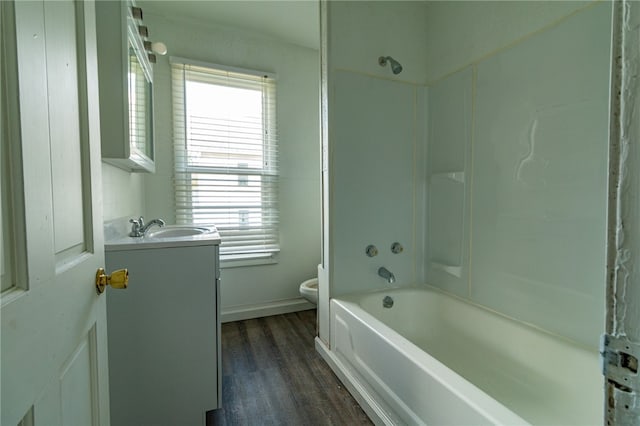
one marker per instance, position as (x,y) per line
(163,337)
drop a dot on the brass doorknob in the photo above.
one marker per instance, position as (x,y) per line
(117,279)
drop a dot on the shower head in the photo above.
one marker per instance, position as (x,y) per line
(396,68)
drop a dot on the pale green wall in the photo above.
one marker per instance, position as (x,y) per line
(122,193)
(461,32)
(297,70)
(362,31)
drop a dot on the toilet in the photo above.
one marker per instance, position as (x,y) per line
(309,290)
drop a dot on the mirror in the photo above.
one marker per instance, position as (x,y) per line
(140,108)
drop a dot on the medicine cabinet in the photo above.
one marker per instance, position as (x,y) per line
(126,85)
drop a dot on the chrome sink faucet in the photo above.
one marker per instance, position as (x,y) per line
(387,275)
(138,228)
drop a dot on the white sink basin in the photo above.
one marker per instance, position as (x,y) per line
(117,236)
(177,231)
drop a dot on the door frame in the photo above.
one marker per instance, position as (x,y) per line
(620,345)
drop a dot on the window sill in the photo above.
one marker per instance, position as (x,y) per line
(252,259)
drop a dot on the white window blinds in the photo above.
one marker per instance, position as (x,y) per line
(226,155)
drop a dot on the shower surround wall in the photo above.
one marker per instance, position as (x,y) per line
(524,232)
(375,160)
(515,131)
(369,154)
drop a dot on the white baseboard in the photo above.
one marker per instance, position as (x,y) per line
(243,312)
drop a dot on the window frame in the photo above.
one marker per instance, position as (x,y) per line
(238,254)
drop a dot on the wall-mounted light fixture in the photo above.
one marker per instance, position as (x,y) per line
(156,47)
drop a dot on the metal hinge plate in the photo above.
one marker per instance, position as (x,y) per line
(619,359)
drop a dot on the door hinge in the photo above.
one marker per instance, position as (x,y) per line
(619,360)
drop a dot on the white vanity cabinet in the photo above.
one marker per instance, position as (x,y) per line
(164,333)
(126,86)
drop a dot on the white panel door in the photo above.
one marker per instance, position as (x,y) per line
(53,352)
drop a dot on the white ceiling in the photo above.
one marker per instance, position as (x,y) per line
(291,21)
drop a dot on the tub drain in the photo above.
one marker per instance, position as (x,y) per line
(387,302)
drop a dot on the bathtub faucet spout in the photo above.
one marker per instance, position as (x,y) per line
(387,275)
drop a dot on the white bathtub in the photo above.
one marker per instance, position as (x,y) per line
(434,359)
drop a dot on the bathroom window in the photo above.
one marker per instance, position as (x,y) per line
(225,151)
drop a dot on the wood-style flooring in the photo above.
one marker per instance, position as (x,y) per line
(272,375)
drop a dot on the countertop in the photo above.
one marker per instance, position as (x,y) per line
(116,238)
